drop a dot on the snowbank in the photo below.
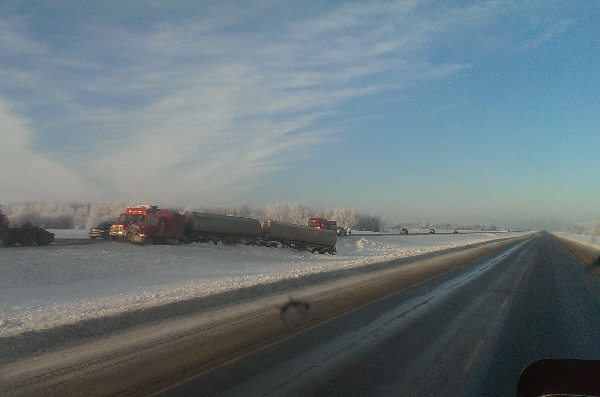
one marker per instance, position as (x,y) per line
(586,238)
(46,287)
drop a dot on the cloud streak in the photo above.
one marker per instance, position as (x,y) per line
(30,175)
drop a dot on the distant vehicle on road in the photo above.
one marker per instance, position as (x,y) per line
(102,230)
(404,231)
(322,223)
(431,231)
(341,231)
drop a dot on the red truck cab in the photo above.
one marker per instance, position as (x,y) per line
(159,227)
(319,223)
(131,215)
(322,223)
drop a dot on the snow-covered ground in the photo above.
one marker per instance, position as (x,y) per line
(44,287)
(593,240)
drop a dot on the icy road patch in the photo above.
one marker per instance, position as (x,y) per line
(46,287)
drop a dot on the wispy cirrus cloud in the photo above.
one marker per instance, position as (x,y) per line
(31,176)
(202,104)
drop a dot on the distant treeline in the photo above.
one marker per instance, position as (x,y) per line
(447,226)
(590,228)
(87,215)
(61,215)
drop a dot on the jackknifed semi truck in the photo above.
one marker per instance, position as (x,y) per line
(171,227)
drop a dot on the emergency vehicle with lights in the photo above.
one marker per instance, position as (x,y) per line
(131,215)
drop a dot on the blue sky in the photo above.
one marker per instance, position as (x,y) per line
(455,111)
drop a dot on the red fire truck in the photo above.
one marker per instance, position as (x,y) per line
(159,227)
(131,215)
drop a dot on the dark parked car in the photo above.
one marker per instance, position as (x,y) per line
(404,231)
(431,231)
(102,230)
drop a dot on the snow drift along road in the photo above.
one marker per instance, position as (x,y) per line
(47,287)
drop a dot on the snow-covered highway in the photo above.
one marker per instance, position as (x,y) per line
(447,314)
(57,360)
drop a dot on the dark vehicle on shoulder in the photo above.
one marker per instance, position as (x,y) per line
(26,235)
(100,231)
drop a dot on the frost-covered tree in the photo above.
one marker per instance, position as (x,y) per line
(241,210)
(291,213)
(346,217)
(103,212)
(61,215)
(591,228)
(87,215)
(368,222)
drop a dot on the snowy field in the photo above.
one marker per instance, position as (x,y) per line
(593,240)
(45,287)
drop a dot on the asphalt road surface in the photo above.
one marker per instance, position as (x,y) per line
(468,332)
(457,324)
